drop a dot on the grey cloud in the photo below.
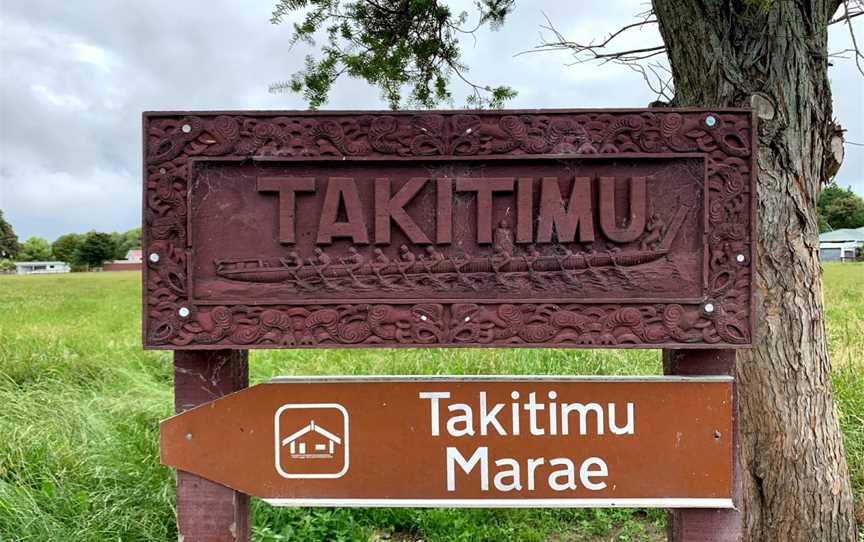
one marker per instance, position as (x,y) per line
(75,76)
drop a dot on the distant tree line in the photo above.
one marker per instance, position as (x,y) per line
(8,240)
(839,208)
(80,250)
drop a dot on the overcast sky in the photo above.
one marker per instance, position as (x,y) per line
(76,75)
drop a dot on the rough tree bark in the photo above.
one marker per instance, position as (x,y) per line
(774,57)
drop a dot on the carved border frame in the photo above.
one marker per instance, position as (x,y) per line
(173,141)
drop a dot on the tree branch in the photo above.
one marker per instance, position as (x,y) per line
(657,76)
(586,52)
(849,13)
(408,49)
(847,16)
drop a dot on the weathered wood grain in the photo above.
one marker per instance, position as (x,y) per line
(699,525)
(207,511)
(795,475)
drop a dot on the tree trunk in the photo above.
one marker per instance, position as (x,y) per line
(774,57)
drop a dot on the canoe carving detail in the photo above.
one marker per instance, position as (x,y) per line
(173,142)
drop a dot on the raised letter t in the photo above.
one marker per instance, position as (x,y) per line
(286,187)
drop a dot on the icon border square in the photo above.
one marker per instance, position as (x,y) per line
(278,456)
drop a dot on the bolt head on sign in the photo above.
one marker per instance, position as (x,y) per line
(559,228)
(476,441)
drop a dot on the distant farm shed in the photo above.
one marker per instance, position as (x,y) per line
(131,263)
(844,245)
(40,268)
(134,255)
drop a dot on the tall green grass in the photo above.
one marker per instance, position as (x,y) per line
(80,404)
(844,312)
(79,409)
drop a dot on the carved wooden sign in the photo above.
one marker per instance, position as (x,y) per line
(475,441)
(556,228)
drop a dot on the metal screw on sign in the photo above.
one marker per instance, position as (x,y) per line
(504,295)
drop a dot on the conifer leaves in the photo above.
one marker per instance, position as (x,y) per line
(407,48)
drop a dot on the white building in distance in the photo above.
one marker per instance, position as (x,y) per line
(134,256)
(40,268)
(843,245)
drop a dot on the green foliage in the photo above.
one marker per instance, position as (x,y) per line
(9,246)
(125,242)
(764,4)
(117,239)
(396,45)
(844,315)
(6,265)
(64,247)
(839,208)
(95,249)
(132,240)
(35,249)
(823,224)
(449,525)
(79,459)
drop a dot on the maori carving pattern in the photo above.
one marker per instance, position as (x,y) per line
(723,318)
(316,325)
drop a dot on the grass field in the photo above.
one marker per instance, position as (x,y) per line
(80,404)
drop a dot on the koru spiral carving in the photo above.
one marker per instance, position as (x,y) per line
(550,255)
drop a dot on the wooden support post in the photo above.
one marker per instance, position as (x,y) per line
(207,511)
(707,525)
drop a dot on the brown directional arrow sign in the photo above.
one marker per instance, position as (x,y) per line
(471,441)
